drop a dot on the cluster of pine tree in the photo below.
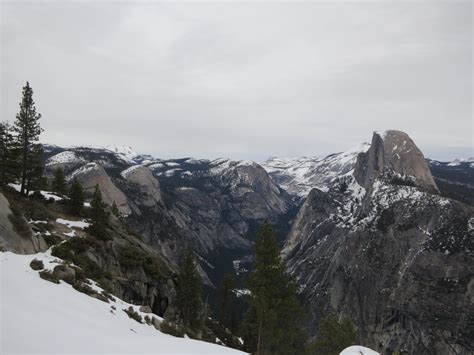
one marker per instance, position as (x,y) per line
(20,150)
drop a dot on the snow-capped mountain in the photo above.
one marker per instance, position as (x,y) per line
(383,247)
(299,175)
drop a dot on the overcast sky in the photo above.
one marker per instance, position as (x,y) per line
(242,80)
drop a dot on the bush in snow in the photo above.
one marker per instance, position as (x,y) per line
(49,276)
(335,334)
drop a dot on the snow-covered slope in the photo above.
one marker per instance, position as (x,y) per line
(299,175)
(38,316)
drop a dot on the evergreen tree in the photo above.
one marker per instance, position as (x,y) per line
(58,184)
(115,210)
(9,169)
(28,130)
(35,180)
(188,293)
(273,322)
(76,198)
(335,334)
(225,290)
(99,215)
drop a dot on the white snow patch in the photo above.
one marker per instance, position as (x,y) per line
(123,152)
(77,224)
(156,166)
(46,194)
(84,170)
(64,157)
(128,171)
(358,350)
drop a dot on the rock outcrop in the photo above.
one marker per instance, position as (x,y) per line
(93,174)
(390,253)
(394,155)
(148,188)
(24,241)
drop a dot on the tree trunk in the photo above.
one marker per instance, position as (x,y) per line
(259,336)
(25,154)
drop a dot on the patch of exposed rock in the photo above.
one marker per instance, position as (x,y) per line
(148,187)
(25,241)
(93,174)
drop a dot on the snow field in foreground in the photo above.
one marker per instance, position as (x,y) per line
(38,316)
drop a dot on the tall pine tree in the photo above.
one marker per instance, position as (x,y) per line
(273,322)
(76,198)
(58,184)
(9,168)
(225,295)
(99,215)
(188,293)
(28,130)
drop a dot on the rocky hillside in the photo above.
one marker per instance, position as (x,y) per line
(212,206)
(382,246)
(123,264)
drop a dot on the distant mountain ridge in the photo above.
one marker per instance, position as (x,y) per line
(374,232)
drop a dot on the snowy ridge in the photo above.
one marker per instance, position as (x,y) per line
(129,170)
(299,175)
(459,161)
(55,318)
(84,169)
(64,157)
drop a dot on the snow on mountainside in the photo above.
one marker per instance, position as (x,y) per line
(299,175)
(38,316)
(459,161)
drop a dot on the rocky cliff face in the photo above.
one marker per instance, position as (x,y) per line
(393,154)
(382,246)
(93,174)
(16,233)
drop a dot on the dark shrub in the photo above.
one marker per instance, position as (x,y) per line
(172,329)
(133,314)
(48,275)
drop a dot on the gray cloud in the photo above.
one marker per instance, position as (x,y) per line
(245,80)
